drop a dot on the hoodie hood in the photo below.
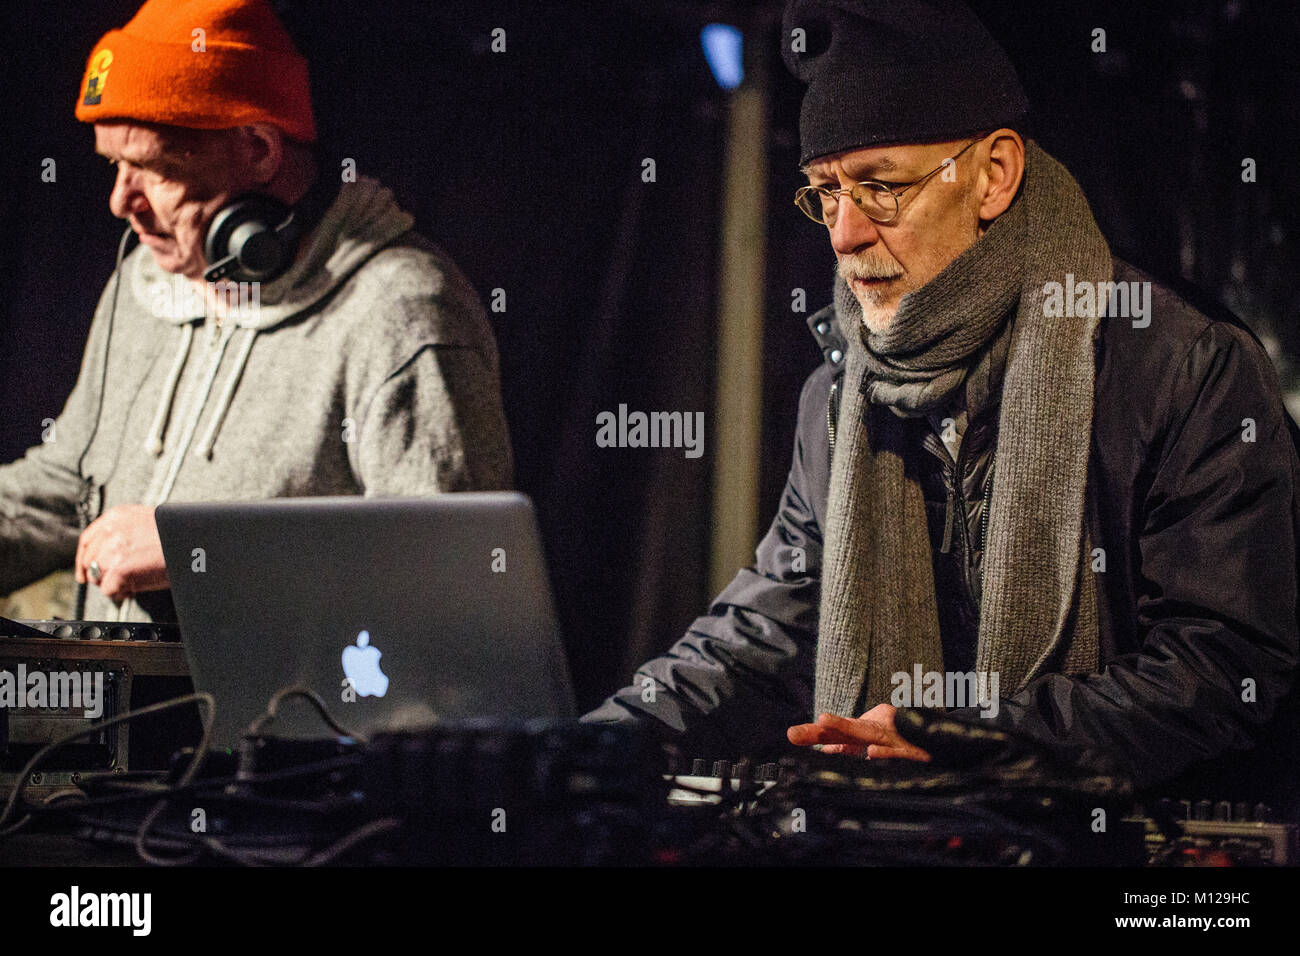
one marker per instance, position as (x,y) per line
(362,220)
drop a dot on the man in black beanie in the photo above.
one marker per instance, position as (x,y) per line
(1030,486)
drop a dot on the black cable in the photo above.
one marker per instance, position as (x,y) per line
(215,789)
(298,690)
(108,338)
(249,857)
(185,784)
(245,761)
(128,792)
(191,771)
(84,508)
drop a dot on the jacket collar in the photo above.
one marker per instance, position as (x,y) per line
(825,327)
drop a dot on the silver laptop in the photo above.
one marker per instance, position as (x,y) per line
(399,613)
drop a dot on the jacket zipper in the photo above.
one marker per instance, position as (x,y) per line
(957,505)
(954,497)
(958,480)
(832,413)
(954,493)
(978,593)
(988,503)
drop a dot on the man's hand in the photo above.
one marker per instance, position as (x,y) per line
(872,734)
(124,543)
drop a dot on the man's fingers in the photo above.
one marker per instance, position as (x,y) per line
(851,750)
(861,737)
(874,738)
(89,546)
(114,584)
(860,730)
(908,752)
(805,735)
(79,562)
(831,729)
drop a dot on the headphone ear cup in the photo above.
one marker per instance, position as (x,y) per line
(251,231)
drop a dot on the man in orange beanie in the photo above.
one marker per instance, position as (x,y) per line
(278,334)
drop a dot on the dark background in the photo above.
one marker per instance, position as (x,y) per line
(526,167)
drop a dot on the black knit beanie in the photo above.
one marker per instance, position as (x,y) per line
(881,72)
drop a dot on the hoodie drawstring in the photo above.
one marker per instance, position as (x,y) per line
(227,394)
(194,413)
(154,443)
(125,610)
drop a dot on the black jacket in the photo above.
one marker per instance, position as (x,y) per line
(1193,495)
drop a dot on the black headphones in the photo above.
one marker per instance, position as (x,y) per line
(251,240)
(255,238)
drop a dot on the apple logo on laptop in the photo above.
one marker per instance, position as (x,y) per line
(361,667)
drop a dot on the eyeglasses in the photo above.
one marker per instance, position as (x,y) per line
(877,201)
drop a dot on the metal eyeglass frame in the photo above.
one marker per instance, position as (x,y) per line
(876,186)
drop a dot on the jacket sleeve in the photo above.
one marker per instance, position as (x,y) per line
(40,492)
(1216,595)
(743,672)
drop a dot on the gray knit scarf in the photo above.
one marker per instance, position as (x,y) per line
(1038,614)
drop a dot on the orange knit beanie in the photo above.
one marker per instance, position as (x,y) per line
(201,64)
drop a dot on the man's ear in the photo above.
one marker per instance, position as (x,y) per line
(1002,173)
(262,146)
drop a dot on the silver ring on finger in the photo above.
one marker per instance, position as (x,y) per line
(95,571)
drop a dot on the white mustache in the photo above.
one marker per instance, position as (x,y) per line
(868,269)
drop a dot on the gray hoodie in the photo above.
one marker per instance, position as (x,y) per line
(369,368)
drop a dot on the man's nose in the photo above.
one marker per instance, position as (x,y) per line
(126,196)
(852,229)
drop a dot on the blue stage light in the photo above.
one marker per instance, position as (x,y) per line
(722,49)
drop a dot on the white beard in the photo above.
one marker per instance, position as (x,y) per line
(875,316)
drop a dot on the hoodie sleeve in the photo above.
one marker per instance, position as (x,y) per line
(40,492)
(742,674)
(1216,600)
(423,378)
(436,424)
